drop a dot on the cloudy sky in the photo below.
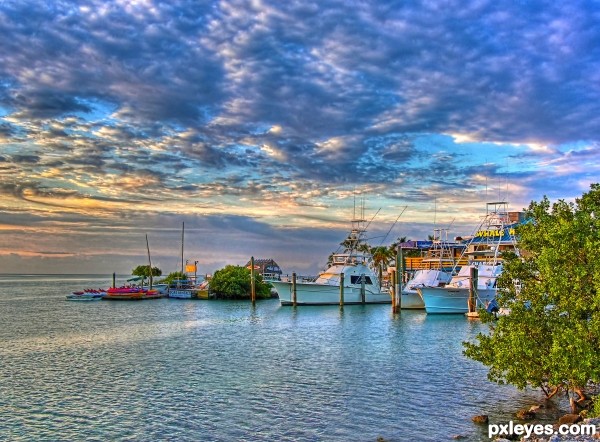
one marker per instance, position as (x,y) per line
(256,123)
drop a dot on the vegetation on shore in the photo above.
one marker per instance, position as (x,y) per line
(234,282)
(551,337)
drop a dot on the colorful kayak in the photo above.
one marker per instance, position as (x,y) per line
(131,294)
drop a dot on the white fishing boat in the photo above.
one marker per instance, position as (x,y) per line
(494,235)
(361,284)
(436,271)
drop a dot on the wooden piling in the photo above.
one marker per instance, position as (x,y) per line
(252,281)
(472,304)
(294,299)
(393,289)
(400,268)
(114,284)
(362,289)
(341,290)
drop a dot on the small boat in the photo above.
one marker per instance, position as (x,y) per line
(86,295)
(131,294)
(361,284)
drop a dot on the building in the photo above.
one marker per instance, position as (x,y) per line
(268,268)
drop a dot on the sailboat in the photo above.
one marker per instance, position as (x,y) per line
(184,288)
(134,293)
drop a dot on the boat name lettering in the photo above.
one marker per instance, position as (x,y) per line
(486,233)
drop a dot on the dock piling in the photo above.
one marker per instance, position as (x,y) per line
(400,268)
(362,289)
(393,289)
(252,281)
(341,290)
(472,304)
(294,298)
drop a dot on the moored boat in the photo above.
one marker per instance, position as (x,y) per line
(495,234)
(131,294)
(437,265)
(361,284)
(86,295)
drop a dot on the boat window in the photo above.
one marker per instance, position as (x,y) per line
(355,279)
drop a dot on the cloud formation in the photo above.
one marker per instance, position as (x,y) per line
(277,111)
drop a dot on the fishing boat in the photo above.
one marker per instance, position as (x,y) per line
(436,269)
(477,280)
(360,284)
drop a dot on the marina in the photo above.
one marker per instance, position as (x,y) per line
(225,370)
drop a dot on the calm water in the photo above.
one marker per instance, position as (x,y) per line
(193,370)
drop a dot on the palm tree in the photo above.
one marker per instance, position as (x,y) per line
(381,255)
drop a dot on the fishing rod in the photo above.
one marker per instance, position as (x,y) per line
(386,235)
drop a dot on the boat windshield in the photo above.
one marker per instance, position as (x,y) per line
(346,259)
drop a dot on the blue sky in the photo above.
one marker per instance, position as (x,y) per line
(256,123)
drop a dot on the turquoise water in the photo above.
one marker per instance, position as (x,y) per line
(195,370)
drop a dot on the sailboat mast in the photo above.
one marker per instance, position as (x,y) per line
(149,261)
(182,233)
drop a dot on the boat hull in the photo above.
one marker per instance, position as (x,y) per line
(447,300)
(183,293)
(321,294)
(120,294)
(80,298)
(412,301)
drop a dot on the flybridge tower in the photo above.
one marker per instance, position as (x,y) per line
(358,230)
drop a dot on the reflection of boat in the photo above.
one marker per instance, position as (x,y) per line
(131,294)
(494,235)
(361,284)
(87,295)
(436,271)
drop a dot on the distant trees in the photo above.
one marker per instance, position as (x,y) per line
(233,282)
(144,271)
(551,337)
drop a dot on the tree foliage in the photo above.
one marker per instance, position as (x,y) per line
(174,276)
(233,282)
(551,337)
(145,271)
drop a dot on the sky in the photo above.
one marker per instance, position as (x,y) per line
(260,125)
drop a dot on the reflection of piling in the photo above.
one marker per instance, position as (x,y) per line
(472,304)
(341,290)
(362,288)
(294,300)
(252,281)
